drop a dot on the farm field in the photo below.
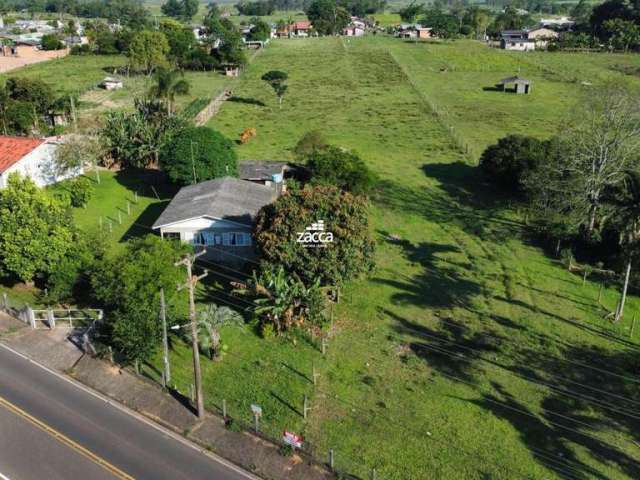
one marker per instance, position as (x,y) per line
(71,75)
(469,353)
(456,78)
(203,87)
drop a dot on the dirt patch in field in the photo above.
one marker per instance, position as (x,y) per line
(27,56)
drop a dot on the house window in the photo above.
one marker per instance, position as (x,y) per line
(239,239)
(171,235)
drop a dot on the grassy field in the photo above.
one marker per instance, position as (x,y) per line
(73,74)
(469,353)
(95,102)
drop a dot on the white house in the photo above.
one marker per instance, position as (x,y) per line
(217,215)
(33,158)
(525,40)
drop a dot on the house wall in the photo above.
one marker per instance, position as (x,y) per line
(189,231)
(39,165)
(518,45)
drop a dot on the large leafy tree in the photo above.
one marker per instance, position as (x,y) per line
(128,286)
(260,31)
(410,12)
(327,16)
(507,163)
(342,168)
(345,216)
(36,230)
(148,51)
(181,39)
(198,154)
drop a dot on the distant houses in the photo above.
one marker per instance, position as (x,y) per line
(413,31)
(33,158)
(295,29)
(526,40)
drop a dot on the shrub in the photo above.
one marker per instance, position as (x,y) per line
(507,162)
(51,42)
(341,168)
(202,149)
(81,190)
(310,143)
(345,217)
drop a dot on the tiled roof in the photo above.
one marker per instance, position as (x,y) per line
(12,149)
(302,25)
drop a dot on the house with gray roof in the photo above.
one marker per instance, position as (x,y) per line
(216,215)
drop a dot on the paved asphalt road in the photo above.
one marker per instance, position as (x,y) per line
(51,429)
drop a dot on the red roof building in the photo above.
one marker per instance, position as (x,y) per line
(34,158)
(12,149)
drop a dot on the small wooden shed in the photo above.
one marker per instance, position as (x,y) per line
(520,85)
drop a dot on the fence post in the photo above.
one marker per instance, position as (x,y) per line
(119,218)
(128,207)
(31,317)
(305,407)
(51,319)
(324,346)
(331,459)
(5,301)
(373,474)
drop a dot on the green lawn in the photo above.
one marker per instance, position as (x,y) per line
(73,74)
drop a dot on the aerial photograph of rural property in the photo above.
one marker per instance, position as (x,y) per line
(319,239)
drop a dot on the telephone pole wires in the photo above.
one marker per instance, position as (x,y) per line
(192,280)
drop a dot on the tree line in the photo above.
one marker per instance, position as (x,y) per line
(581,188)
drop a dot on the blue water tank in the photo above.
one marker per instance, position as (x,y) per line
(276,177)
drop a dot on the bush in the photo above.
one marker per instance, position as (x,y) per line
(507,162)
(51,42)
(310,143)
(202,149)
(341,168)
(80,50)
(346,219)
(81,190)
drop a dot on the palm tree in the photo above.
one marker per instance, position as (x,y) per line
(169,83)
(211,318)
(625,201)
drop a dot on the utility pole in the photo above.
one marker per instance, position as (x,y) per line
(188,261)
(165,342)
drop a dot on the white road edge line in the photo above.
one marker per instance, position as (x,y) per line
(133,414)
(4,477)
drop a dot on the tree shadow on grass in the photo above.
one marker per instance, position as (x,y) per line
(141,226)
(578,402)
(458,200)
(439,285)
(452,349)
(247,101)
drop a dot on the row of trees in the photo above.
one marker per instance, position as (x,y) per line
(613,24)
(581,186)
(172,44)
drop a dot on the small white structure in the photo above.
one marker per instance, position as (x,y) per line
(111,83)
(33,158)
